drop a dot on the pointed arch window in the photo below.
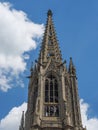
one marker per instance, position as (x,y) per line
(51,89)
(51,96)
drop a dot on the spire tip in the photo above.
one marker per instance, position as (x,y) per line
(49,13)
(70,58)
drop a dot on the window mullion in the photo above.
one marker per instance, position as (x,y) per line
(49,91)
(53,92)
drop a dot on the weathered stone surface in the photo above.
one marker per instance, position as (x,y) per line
(53,101)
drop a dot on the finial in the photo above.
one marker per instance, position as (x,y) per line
(49,13)
(70,58)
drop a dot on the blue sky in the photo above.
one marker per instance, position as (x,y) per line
(76,24)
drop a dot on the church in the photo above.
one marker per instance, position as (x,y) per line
(53,100)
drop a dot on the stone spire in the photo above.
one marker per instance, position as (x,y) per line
(50,46)
(22,122)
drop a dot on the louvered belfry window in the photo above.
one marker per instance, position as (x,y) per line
(51,96)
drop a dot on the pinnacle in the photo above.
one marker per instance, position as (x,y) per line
(72,69)
(71,62)
(49,13)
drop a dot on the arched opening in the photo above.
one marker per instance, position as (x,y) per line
(51,96)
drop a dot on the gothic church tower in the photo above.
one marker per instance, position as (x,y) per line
(53,101)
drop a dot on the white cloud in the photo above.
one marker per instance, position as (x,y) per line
(90,123)
(17,36)
(12,120)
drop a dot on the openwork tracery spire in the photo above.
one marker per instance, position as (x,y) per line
(50,46)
